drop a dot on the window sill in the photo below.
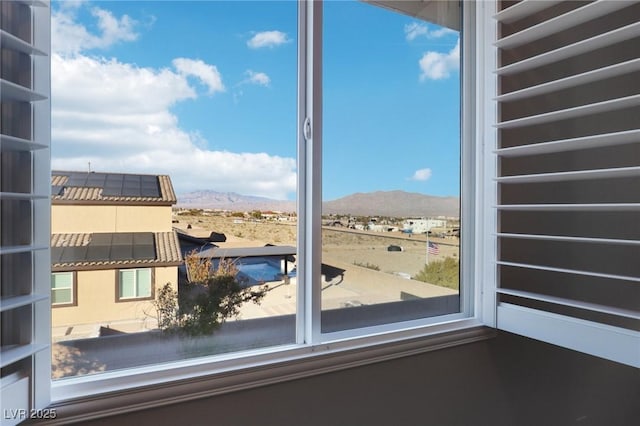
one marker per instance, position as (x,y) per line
(185,381)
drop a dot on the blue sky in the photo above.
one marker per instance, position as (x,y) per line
(205,91)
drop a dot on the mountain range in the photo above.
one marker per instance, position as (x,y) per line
(378,203)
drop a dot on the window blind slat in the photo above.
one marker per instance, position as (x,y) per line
(12,143)
(523,9)
(8,40)
(568,271)
(572,81)
(579,111)
(562,22)
(16,353)
(563,145)
(627,313)
(18,301)
(19,93)
(620,172)
(584,46)
(572,207)
(566,238)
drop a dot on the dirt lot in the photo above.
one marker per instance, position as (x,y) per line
(360,248)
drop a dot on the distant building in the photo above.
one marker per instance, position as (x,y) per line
(112,248)
(422,226)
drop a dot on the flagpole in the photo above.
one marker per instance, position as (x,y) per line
(427,247)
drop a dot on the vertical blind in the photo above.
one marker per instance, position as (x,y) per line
(568,177)
(25,283)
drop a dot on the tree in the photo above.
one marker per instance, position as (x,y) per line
(211,296)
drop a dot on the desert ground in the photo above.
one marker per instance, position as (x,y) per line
(370,273)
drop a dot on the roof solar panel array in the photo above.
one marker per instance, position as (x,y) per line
(109,247)
(114,184)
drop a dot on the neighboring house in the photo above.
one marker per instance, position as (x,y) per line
(112,247)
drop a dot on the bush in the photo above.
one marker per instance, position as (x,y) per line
(445,273)
(209,298)
(367,265)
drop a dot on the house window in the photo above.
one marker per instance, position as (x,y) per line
(135,284)
(62,288)
(325,294)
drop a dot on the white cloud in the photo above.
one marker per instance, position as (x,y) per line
(258,78)
(418,29)
(267,39)
(207,74)
(69,37)
(437,66)
(415,29)
(421,175)
(118,117)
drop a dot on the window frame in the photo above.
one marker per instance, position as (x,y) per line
(83,398)
(74,290)
(152,286)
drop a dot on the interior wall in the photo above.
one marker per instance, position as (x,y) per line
(508,380)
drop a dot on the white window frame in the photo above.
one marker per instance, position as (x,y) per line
(135,271)
(83,398)
(72,288)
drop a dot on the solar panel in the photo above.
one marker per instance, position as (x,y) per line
(101,239)
(122,239)
(96,179)
(109,246)
(77,181)
(98,253)
(56,254)
(144,252)
(73,254)
(113,184)
(112,190)
(131,192)
(150,190)
(141,238)
(57,189)
(121,253)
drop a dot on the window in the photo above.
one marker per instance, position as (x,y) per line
(62,288)
(324,295)
(390,166)
(135,284)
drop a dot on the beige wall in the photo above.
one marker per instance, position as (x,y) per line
(100,218)
(96,300)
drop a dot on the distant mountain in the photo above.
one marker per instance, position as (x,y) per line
(379,203)
(232,201)
(394,203)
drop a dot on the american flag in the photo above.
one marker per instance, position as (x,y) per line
(433,248)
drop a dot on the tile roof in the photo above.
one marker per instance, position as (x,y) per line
(166,245)
(66,190)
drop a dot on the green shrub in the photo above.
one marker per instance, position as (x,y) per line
(445,273)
